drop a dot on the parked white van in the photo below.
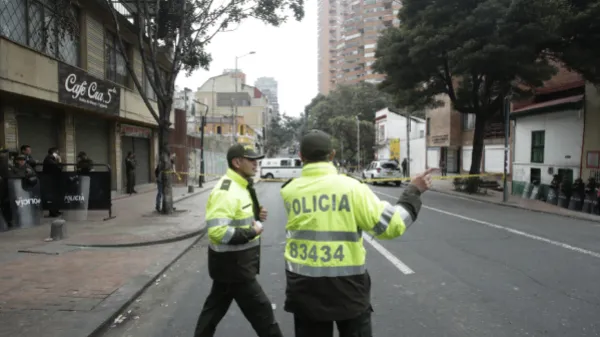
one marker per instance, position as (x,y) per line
(285,168)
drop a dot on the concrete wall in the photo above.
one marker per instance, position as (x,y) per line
(591,138)
(562,149)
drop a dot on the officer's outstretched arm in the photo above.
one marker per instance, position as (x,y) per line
(382,219)
(222,228)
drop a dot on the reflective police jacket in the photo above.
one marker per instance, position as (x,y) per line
(234,247)
(324,254)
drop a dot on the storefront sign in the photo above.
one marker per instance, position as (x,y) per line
(439,139)
(135,131)
(80,89)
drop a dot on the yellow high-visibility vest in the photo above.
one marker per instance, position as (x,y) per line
(327,213)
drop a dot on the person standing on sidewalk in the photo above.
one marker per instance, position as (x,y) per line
(327,279)
(130,164)
(233,217)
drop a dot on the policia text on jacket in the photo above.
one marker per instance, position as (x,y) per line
(327,280)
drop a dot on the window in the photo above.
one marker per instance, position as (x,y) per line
(428,126)
(468,121)
(381,133)
(219,130)
(538,139)
(148,87)
(33,23)
(298,162)
(285,163)
(115,67)
(593,159)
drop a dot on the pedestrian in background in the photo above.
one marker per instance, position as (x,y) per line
(130,165)
(327,279)
(233,216)
(52,167)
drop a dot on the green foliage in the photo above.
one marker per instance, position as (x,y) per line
(283,131)
(474,51)
(336,114)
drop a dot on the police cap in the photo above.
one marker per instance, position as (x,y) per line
(241,151)
(20,157)
(315,144)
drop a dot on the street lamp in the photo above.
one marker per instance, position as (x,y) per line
(234,118)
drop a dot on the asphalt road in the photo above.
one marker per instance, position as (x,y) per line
(465,268)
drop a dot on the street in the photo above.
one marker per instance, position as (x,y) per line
(465,268)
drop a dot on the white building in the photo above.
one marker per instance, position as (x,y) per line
(390,127)
(548,139)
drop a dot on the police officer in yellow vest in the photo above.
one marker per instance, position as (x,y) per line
(233,217)
(327,280)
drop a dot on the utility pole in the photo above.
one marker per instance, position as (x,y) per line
(235,109)
(506,145)
(202,124)
(408,122)
(358,144)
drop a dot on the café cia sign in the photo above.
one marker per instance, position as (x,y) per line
(80,89)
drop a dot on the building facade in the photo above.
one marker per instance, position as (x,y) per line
(242,113)
(73,91)
(450,140)
(348,32)
(269,87)
(392,141)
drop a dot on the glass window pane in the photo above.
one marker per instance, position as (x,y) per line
(36,26)
(13,23)
(50,33)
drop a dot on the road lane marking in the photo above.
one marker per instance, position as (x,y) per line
(510,230)
(389,256)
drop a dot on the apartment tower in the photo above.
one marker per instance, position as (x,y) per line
(348,32)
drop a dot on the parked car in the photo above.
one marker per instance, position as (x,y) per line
(380,169)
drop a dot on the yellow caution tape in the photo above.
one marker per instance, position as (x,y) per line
(385,180)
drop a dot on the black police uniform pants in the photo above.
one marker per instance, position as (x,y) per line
(355,327)
(251,299)
(130,182)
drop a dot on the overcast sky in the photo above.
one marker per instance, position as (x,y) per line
(287,53)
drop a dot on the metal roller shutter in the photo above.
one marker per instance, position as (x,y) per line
(91,137)
(141,148)
(38,130)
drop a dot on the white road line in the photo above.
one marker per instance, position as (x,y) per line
(510,230)
(389,256)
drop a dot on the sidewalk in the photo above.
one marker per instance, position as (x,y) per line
(495,197)
(74,286)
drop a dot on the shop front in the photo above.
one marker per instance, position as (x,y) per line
(38,127)
(94,102)
(137,140)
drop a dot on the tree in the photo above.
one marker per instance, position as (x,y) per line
(336,114)
(578,42)
(280,130)
(474,51)
(177,32)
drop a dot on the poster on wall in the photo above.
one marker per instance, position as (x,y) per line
(80,89)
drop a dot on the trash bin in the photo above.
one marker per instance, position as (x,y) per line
(76,197)
(25,202)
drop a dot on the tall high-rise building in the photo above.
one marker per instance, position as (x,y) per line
(268,86)
(348,32)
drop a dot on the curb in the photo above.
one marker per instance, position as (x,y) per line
(466,196)
(98,331)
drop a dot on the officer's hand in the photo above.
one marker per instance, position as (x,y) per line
(263,214)
(423,180)
(258,228)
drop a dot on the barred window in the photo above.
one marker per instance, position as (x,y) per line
(115,66)
(34,23)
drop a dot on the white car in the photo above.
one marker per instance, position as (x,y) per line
(380,169)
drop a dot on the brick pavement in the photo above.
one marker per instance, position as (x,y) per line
(56,289)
